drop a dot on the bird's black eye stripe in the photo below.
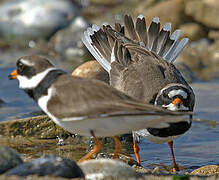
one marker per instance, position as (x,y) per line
(163,100)
(19,64)
(165,95)
(20,67)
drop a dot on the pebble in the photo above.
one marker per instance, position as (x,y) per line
(9,158)
(49,165)
(107,169)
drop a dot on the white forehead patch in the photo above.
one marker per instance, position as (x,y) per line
(178,92)
(26,83)
(26,62)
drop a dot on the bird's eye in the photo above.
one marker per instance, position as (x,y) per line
(165,95)
(20,66)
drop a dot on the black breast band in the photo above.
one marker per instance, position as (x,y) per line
(42,87)
(174,129)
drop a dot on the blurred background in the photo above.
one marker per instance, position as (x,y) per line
(54,28)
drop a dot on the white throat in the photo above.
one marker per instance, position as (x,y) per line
(25,83)
(172,107)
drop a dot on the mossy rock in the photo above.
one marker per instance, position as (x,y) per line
(39,127)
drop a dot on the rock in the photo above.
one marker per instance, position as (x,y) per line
(175,9)
(208,170)
(192,56)
(206,12)
(211,62)
(9,158)
(107,169)
(49,165)
(126,159)
(213,35)
(91,69)
(192,31)
(211,58)
(39,127)
(202,57)
(35,19)
(186,72)
(67,42)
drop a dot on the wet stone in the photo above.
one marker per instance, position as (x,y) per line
(126,159)
(35,19)
(9,158)
(41,127)
(49,165)
(207,170)
(107,168)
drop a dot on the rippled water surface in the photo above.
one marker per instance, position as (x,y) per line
(198,147)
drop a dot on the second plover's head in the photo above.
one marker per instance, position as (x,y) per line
(175,97)
(31,70)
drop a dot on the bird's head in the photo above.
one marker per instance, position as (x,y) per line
(176,97)
(30,71)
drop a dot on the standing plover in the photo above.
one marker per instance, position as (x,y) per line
(140,63)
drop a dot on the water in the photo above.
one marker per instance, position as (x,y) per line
(198,147)
(17,103)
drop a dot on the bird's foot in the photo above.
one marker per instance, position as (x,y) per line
(175,168)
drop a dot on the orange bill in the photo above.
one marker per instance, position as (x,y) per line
(13,75)
(177,101)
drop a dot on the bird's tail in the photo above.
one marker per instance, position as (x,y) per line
(101,42)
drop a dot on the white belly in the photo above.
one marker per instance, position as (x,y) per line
(105,125)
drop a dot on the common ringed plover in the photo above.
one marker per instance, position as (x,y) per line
(139,61)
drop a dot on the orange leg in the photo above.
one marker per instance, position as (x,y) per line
(95,149)
(136,151)
(118,147)
(175,166)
